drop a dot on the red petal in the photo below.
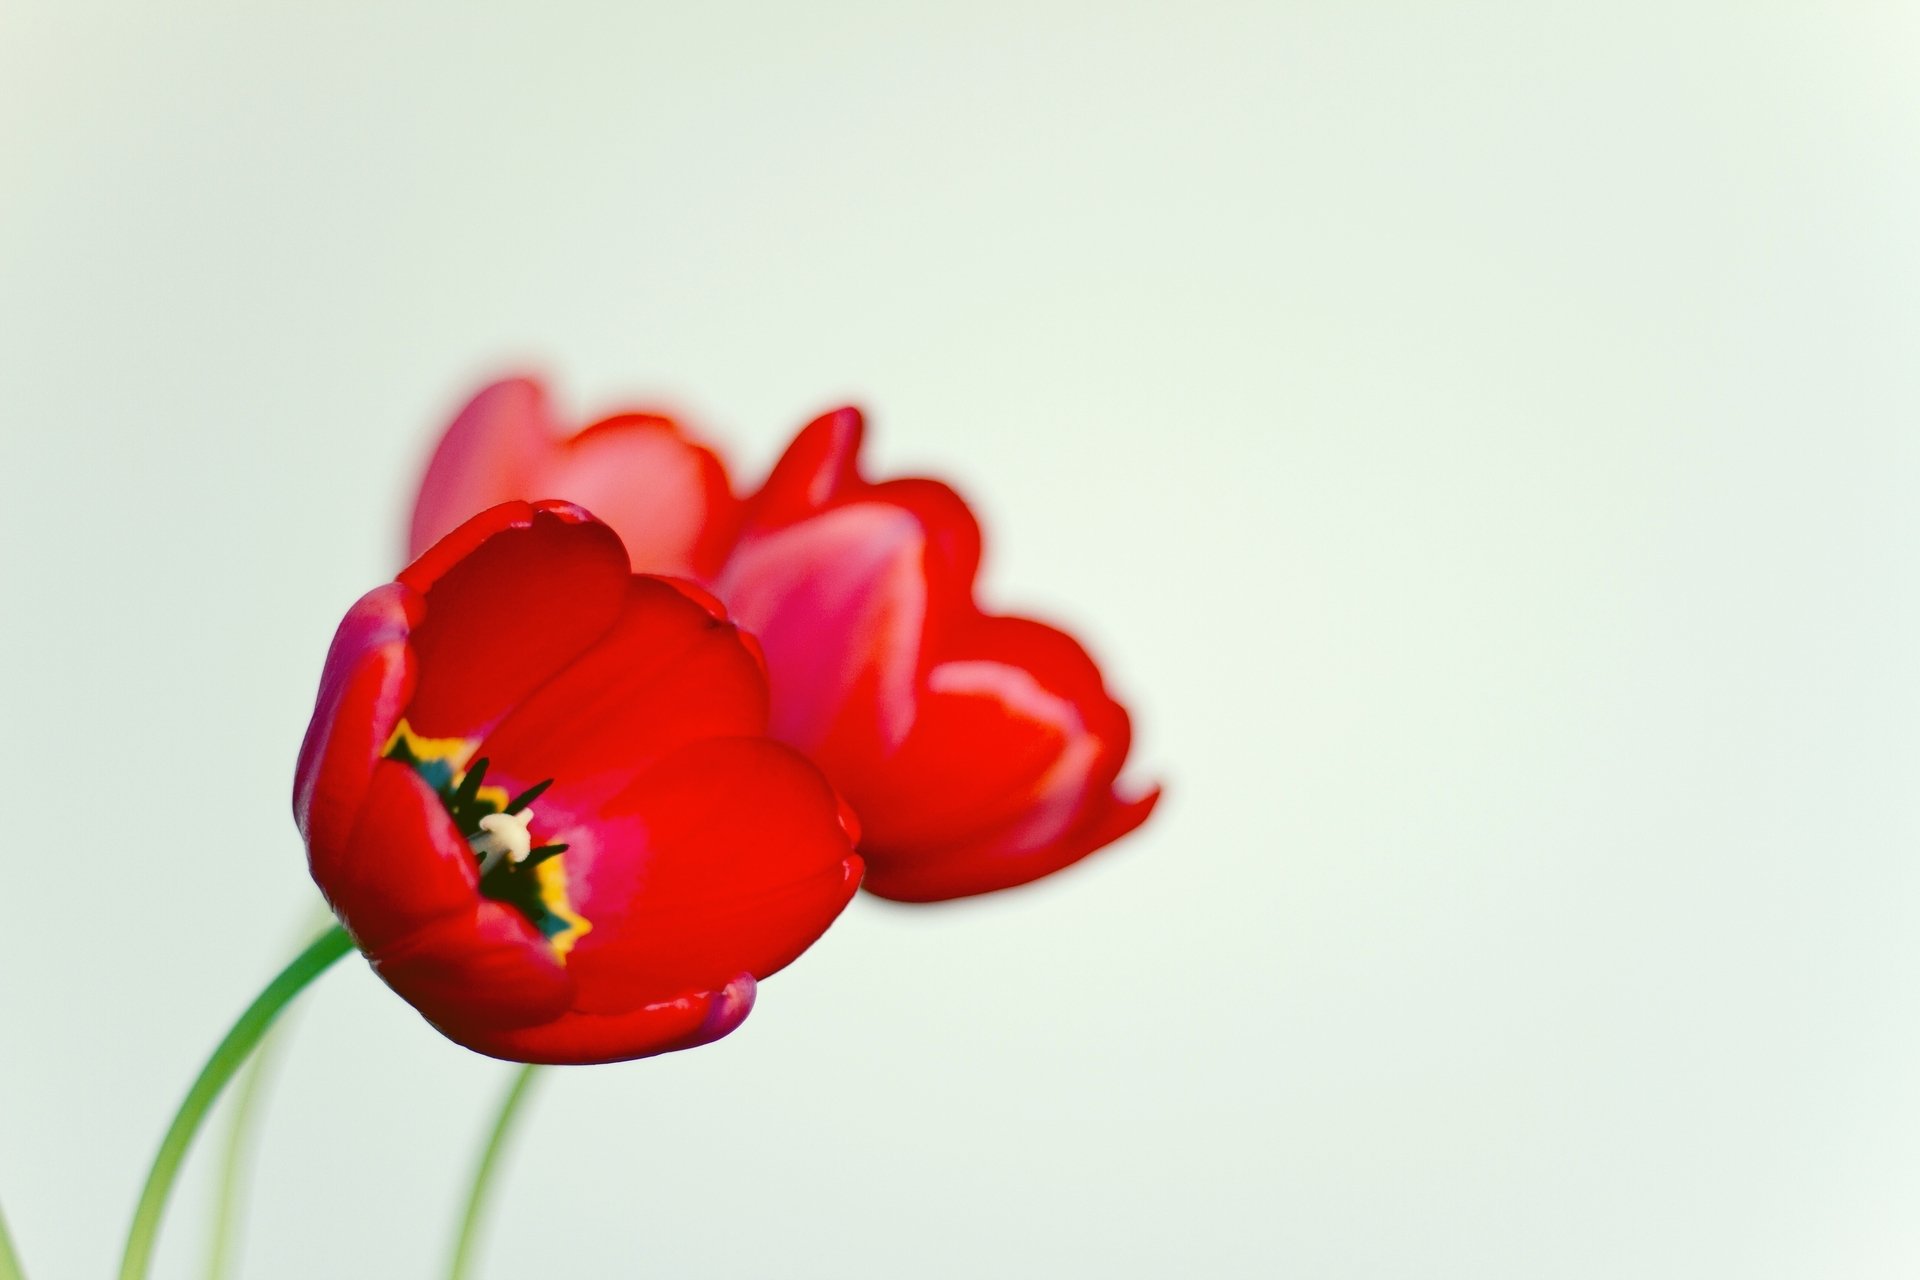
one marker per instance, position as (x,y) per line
(728,856)
(991,861)
(666,496)
(511,598)
(666,673)
(401,867)
(367,679)
(1014,756)
(820,470)
(497,442)
(682,1022)
(838,603)
(820,463)
(404,885)
(479,972)
(950,534)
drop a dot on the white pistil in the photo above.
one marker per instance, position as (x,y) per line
(503,835)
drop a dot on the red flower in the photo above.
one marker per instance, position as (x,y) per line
(980,751)
(538,793)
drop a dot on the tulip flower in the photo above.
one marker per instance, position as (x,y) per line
(979,751)
(538,792)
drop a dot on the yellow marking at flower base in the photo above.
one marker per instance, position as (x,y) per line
(553,892)
(455,751)
(550,876)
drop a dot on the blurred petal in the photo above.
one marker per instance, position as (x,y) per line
(667,497)
(664,493)
(838,604)
(496,443)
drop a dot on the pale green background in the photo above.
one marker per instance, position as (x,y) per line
(1479,440)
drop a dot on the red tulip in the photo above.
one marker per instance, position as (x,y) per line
(538,792)
(980,751)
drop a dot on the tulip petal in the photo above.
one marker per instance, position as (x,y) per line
(401,867)
(511,598)
(838,604)
(820,464)
(727,855)
(666,673)
(995,860)
(368,677)
(483,970)
(666,496)
(495,444)
(663,1026)
(405,887)
(1012,762)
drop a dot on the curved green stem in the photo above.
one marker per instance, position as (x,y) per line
(243,1122)
(228,1057)
(236,1152)
(483,1172)
(10,1268)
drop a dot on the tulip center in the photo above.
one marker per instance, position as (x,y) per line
(513,866)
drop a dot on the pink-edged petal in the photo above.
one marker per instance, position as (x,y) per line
(663,1026)
(368,677)
(666,495)
(838,603)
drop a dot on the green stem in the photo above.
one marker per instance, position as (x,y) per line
(10,1268)
(235,1154)
(228,1057)
(243,1122)
(483,1172)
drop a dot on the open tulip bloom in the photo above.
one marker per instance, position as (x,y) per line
(571,813)
(538,792)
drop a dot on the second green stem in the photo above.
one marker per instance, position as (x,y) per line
(227,1058)
(464,1243)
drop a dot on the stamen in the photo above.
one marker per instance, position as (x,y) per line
(528,796)
(502,836)
(541,854)
(461,802)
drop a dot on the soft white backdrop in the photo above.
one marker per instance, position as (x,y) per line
(1479,440)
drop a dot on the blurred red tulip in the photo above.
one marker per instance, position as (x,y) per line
(538,792)
(979,751)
